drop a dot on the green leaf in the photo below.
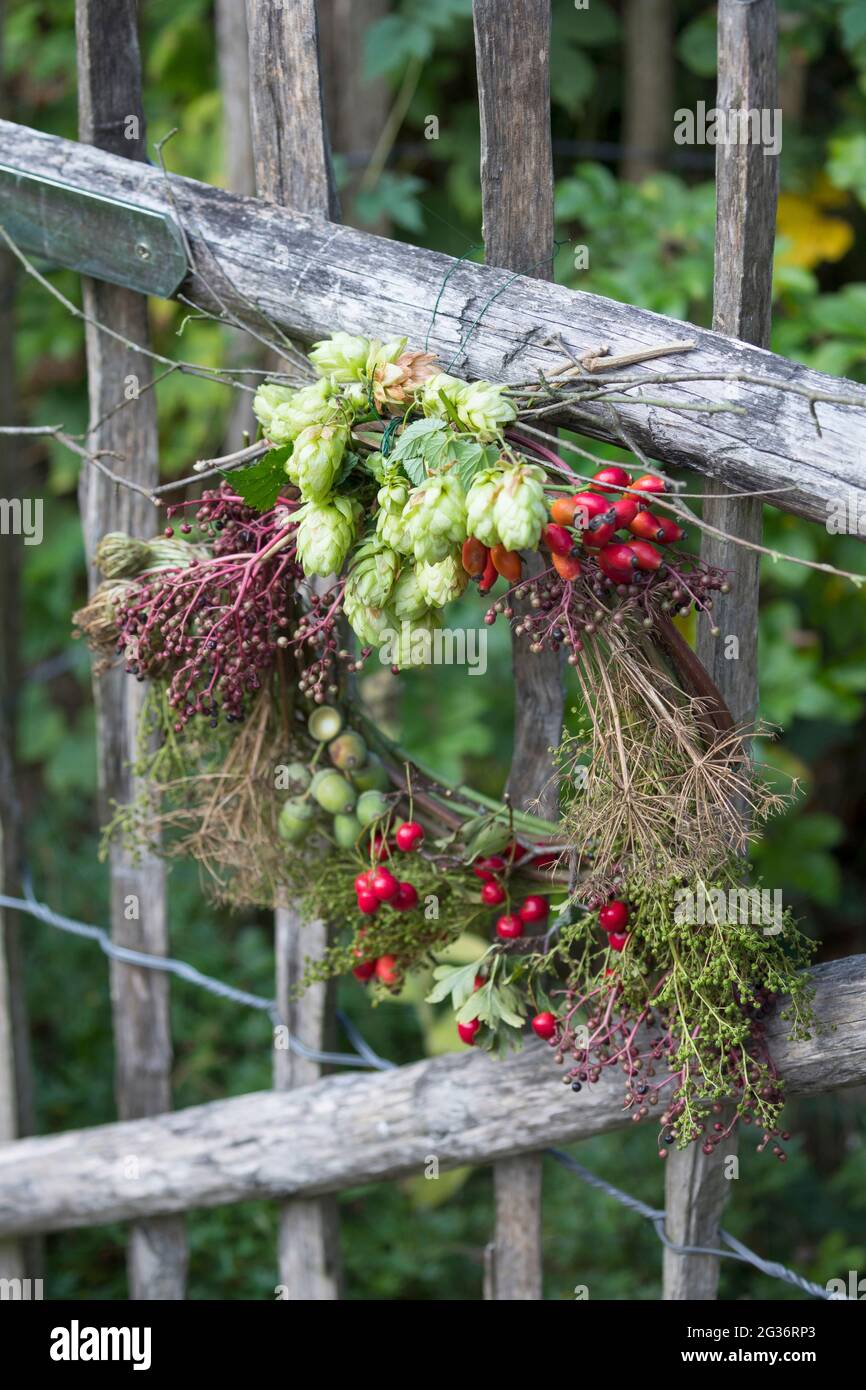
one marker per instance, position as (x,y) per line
(260,484)
(470,457)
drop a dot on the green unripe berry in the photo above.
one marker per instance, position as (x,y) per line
(372,806)
(295,821)
(372,776)
(325,723)
(334,793)
(347,830)
(348,751)
(295,777)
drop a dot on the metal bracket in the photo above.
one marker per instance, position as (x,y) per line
(104,237)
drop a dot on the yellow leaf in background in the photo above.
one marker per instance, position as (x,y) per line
(432,1192)
(812,237)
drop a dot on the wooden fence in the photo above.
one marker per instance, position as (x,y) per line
(283,257)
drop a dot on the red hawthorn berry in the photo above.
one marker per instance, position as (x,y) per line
(545,860)
(515,852)
(492,893)
(509,926)
(383,884)
(364,971)
(466,1031)
(479,982)
(616,940)
(486,868)
(387,970)
(362,882)
(409,836)
(535,908)
(544,1025)
(368,903)
(379,846)
(566,566)
(557,539)
(614,917)
(405,898)
(611,479)
(648,558)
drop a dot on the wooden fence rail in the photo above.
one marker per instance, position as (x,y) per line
(312,277)
(350,1129)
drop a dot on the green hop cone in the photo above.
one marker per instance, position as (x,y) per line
(407,600)
(520,510)
(316,459)
(380,354)
(391,530)
(443,582)
(325,534)
(312,405)
(411,643)
(266,400)
(483,410)
(481,506)
(435,387)
(392,495)
(342,357)
(435,517)
(368,624)
(372,574)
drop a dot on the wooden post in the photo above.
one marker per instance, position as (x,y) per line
(746,192)
(293,168)
(512,50)
(111,116)
(648,85)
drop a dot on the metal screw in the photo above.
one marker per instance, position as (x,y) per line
(142,250)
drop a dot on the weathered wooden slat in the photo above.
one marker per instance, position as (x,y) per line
(293,157)
(747,179)
(512,58)
(313,277)
(348,1129)
(110,113)
(293,167)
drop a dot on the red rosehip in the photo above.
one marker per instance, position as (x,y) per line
(618,562)
(492,893)
(648,558)
(670,531)
(557,539)
(598,534)
(364,971)
(584,507)
(486,868)
(509,926)
(466,1031)
(614,917)
(566,566)
(368,902)
(611,479)
(409,836)
(616,940)
(649,483)
(534,909)
(544,1025)
(405,898)
(383,884)
(387,970)
(625,509)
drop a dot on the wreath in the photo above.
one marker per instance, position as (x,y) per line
(377,494)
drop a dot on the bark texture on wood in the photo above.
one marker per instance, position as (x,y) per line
(292,154)
(696,1187)
(111,115)
(648,85)
(351,1129)
(512,49)
(313,277)
(292,167)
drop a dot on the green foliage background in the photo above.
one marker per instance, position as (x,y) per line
(649,244)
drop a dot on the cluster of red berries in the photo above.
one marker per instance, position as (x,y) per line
(613,919)
(377,886)
(593,518)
